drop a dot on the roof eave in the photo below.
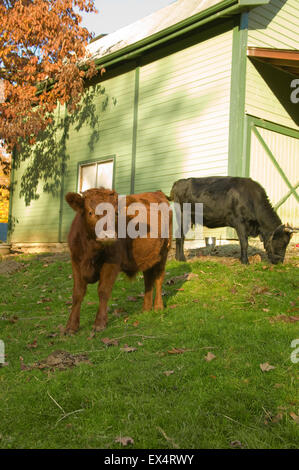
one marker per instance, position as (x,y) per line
(225,8)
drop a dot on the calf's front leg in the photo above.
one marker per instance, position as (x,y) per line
(108,275)
(79,291)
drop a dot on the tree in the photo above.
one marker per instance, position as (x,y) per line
(41,46)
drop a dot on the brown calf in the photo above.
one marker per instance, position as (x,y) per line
(101,258)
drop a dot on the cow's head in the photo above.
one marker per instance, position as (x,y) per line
(278,242)
(98,208)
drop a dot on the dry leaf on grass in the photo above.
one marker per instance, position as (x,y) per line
(177,351)
(124,441)
(294,417)
(284,318)
(33,345)
(168,372)
(236,445)
(109,341)
(13,319)
(210,356)
(265,367)
(128,349)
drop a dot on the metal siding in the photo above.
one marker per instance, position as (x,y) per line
(275,25)
(114,108)
(184,114)
(37,222)
(286,151)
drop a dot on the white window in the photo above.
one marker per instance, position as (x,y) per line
(96,175)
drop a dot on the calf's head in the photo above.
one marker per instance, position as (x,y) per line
(98,208)
(278,242)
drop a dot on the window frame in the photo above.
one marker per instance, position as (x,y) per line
(97,160)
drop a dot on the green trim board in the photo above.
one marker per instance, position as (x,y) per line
(108,158)
(253,124)
(274,161)
(237,95)
(135,125)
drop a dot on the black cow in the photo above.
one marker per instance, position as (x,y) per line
(235,202)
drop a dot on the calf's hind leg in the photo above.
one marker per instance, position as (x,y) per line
(153,276)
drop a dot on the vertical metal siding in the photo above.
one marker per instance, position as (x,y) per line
(112,136)
(184,114)
(275,25)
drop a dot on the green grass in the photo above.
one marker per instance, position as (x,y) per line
(200,405)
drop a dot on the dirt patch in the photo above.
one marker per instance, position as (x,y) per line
(10,266)
(230,254)
(59,359)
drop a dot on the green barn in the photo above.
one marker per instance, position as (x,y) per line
(199,88)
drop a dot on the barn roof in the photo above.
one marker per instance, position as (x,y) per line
(162,23)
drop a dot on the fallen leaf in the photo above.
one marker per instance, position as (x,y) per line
(236,444)
(260,290)
(210,356)
(277,418)
(176,351)
(136,323)
(13,319)
(33,345)
(266,310)
(266,367)
(294,417)
(128,349)
(284,318)
(168,372)
(124,441)
(109,342)
(173,306)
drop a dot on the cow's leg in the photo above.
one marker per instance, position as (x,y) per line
(108,275)
(158,304)
(243,238)
(79,291)
(149,280)
(179,245)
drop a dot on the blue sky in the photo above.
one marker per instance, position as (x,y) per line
(114,14)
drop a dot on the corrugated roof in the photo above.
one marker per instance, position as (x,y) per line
(154,23)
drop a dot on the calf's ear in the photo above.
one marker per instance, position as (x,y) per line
(76,201)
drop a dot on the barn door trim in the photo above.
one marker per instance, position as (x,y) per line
(275,163)
(252,125)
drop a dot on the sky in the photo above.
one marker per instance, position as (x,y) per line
(114,14)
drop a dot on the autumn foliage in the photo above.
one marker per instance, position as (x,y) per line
(41,47)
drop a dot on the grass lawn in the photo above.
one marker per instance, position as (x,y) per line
(193,379)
